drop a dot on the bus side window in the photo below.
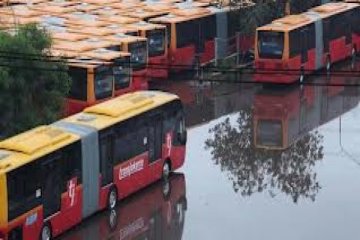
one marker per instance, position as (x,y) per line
(78,90)
(131,140)
(23,194)
(71,164)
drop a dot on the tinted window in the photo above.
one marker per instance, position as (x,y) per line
(121,70)
(301,40)
(24,189)
(25,183)
(185,33)
(78,88)
(139,56)
(209,27)
(104,79)
(130,139)
(269,133)
(156,42)
(270,44)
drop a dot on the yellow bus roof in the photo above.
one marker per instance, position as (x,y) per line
(33,144)
(86,7)
(126,5)
(142,14)
(68,36)
(118,19)
(121,108)
(182,15)
(91,31)
(106,55)
(123,38)
(145,26)
(81,46)
(292,22)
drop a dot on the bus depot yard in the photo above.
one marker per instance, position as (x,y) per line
(132,40)
(54,176)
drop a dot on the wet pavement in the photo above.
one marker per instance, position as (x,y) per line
(261,163)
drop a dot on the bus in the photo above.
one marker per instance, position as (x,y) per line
(121,68)
(138,48)
(291,47)
(157,212)
(281,118)
(53,176)
(157,48)
(96,75)
(191,34)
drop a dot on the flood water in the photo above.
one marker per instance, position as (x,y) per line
(261,163)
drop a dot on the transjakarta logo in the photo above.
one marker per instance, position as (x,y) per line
(131,169)
(132,228)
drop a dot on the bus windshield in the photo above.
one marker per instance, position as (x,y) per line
(269,133)
(121,70)
(270,44)
(138,57)
(104,79)
(156,39)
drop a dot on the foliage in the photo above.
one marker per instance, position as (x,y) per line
(254,170)
(32,84)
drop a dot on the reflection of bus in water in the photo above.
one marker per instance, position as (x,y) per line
(157,212)
(282,117)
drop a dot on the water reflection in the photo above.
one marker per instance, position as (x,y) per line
(273,146)
(158,212)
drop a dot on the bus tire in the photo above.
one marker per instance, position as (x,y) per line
(112,198)
(166,190)
(46,232)
(353,57)
(302,76)
(166,170)
(328,64)
(113,220)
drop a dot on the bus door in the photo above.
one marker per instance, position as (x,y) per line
(51,185)
(303,43)
(155,147)
(106,158)
(199,36)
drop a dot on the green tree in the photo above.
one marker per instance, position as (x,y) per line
(253,170)
(32,84)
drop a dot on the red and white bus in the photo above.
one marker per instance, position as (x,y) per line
(291,47)
(52,177)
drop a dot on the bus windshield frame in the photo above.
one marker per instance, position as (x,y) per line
(122,73)
(103,82)
(156,42)
(271,44)
(272,131)
(139,55)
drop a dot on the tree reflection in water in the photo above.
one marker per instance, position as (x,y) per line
(254,170)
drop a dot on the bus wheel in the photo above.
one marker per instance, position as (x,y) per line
(302,76)
(353,57)
(166,171)
(166,190)
(113,220)
(46,232)
(112,198)
(328,64)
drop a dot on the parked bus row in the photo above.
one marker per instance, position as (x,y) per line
(151,38)
(52,177)
(294,46)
